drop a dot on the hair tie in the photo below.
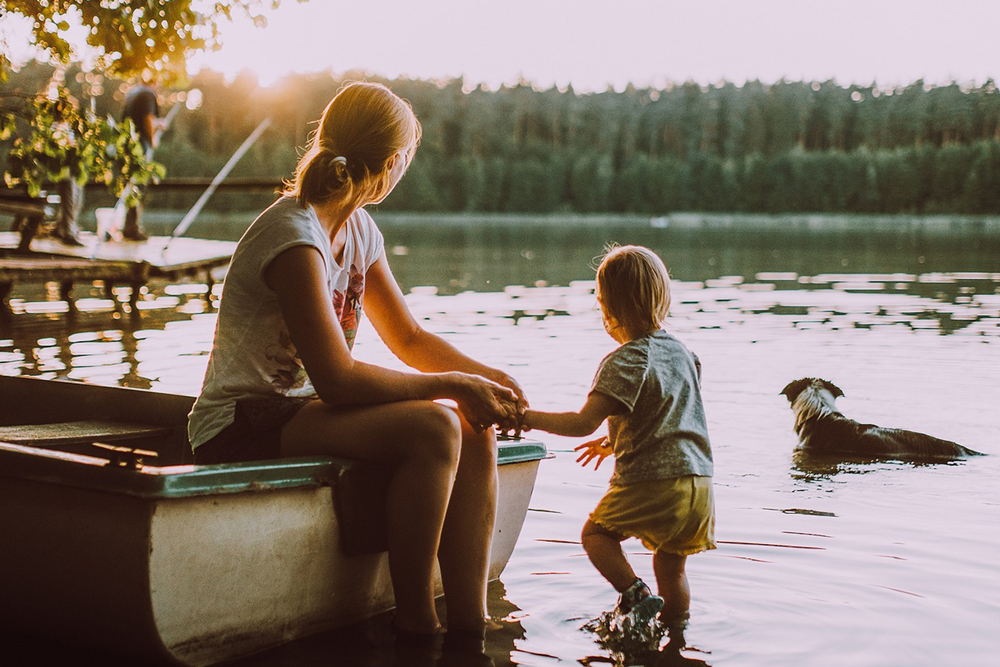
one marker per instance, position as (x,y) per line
(338,165)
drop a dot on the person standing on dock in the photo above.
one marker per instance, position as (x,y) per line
(282,381)
(67,229)
(143,109)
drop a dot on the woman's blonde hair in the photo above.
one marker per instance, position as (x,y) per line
(361,129)
(634,289)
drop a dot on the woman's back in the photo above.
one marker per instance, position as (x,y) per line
(253,355)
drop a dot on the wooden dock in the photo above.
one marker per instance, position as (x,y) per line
(113,263)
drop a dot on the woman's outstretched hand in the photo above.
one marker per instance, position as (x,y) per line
(484,402)
(599,449)
(513,426)
(505,380)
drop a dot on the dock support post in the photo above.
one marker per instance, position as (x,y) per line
(133,299)
(5,288)
(210,282)
(109,292)
(66,294)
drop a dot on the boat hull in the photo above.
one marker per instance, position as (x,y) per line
(197,578)
(195,565)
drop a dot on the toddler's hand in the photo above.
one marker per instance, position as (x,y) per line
(483,402)
(520,424)
(599,449)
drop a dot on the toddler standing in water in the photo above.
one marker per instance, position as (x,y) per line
(661,490)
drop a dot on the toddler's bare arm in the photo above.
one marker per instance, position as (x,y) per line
(593,413)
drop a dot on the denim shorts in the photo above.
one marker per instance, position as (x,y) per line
(255,434)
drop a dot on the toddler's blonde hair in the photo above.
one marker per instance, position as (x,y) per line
(361,129)
(634,289)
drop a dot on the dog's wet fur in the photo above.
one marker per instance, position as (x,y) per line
(824,430)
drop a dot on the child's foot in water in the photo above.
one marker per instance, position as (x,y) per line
(675,628)
(637,605)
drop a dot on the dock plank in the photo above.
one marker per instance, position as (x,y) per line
(162,254)
(24,268)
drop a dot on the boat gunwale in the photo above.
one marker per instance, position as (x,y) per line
(185,481)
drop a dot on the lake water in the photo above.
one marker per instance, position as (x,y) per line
(859,564)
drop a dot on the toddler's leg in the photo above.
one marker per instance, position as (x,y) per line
(604,548)
(605,551)
(672,581)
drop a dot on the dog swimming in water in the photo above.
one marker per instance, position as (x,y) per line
(824,430)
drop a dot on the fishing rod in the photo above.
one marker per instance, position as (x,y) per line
(189,217)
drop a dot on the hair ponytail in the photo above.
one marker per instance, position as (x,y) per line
(320,175)
(349,156)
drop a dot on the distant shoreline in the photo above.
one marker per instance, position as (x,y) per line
(162,221)
(695,220)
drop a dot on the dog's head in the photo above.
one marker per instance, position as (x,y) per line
(793,389)
(811,399)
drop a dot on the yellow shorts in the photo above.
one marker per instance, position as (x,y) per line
(675,515)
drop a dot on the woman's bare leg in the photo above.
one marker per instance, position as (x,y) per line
(421,439)
(464,554)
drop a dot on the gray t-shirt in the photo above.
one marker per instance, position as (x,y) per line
(662,433)
(252,354)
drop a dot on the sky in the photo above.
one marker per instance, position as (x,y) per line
(595,44)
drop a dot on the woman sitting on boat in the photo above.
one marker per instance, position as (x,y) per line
(282,382)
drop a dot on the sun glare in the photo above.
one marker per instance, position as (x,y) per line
(593,45)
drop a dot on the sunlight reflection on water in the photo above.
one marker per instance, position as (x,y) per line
(884,563)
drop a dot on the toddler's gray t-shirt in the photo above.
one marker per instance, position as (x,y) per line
(662,433)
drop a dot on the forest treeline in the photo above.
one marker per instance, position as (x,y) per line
(771,148)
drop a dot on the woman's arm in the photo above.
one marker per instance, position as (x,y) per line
(298,277)
(593,413)
(415,346)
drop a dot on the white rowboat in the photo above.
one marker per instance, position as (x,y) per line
(190,564)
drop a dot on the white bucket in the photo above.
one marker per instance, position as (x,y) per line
(110,222)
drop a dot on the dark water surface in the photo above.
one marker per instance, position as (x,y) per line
(851,564)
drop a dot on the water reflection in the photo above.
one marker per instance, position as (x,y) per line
(371,644)
(808,467)
(671,657)
(97,344)
(673,654)
(368,644)
(103,347)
